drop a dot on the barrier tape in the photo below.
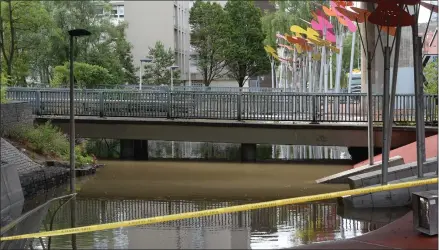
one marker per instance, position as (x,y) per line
(232,209)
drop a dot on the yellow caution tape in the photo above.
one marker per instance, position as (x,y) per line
(232,209)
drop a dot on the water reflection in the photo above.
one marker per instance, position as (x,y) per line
(106,148)
(270,228)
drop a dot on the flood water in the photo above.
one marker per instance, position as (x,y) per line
(124,190)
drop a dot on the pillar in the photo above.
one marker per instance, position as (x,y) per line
(248,152)
(134,150)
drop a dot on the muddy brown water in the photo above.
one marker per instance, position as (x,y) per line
(198,180)
(124,190)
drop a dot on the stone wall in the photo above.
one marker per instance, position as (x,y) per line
(33,177)
(14,114)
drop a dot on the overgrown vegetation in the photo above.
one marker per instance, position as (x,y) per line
(3,82)
(49,141)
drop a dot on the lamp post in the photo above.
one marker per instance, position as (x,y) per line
(172,68)
(146,60)
(73,33)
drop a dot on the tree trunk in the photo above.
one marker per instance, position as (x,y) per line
(12,45)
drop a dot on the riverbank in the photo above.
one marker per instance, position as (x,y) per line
(197,180)
(39,173)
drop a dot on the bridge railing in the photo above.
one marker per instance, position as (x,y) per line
(285,106)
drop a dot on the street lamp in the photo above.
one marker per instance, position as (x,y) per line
(146,60)
(171,68)
(73,33)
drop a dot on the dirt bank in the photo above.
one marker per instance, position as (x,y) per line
(198,180)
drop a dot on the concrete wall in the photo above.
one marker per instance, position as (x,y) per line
(232,132)
(15,114)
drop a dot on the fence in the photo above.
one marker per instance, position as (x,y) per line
(224,105)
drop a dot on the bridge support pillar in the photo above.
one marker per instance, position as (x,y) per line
(134,150)
(248,152)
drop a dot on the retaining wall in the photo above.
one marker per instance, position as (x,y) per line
(14,114)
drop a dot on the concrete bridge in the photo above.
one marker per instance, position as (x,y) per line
(135,132)
(244,117)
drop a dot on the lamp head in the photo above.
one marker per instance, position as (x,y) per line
(79,32)
(173,67)
(147,60)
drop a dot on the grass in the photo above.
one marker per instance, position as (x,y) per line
(49,141)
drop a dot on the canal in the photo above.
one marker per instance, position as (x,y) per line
(125,190)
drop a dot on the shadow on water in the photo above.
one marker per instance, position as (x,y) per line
(162,150)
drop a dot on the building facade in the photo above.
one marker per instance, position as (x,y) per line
(168,22)
(152,21)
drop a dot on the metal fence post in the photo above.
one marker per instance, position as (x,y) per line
(314,109)
(37,107)
(169,101)
(101,104)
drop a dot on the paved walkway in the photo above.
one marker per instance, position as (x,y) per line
(408,152)
(396,235)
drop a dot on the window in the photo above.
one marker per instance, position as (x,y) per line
(121,10)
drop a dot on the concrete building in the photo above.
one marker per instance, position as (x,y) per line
(168,22)
(152,21)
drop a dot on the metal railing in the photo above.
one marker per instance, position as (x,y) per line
(239,105)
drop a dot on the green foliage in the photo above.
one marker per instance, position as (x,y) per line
(38,40)
(85,75)
(244,54)
(208,33)
(23,25)
(3,85)
(48,140)
(289,12)
(431,75)
(157,72)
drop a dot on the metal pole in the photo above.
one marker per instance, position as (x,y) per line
(394,82)
(370,112)
(140,76)
(172,79)
(72,122)
(385,155)
(419,109)
(72,146)
(272,73)
(351,67)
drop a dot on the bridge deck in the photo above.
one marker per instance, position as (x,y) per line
(227,123)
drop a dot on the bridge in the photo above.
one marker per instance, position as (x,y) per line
(238,105)
(264,118)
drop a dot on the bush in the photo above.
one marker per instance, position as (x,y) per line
(48,140)
(86,75)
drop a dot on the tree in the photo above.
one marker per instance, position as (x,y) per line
(157,72)
(21,22)
(431,75)
(244,54)
(208,34)
(85,75)
(288,12)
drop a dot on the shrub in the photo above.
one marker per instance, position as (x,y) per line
(86,75)
(48,140)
